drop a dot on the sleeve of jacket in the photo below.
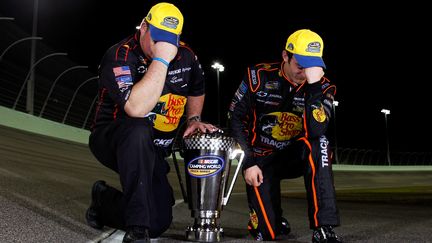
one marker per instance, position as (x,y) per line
(197,84)
(318,107)
(117,74)
(240,118)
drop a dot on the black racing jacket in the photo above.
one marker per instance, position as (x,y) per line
(269,112)
(124,64)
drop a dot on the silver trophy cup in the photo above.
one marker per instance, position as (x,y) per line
(208,160)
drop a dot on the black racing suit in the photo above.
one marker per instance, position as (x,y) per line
(136,147)
(281,127)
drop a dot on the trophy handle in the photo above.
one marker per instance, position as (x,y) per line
(233,155)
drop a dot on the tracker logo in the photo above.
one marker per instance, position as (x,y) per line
(163,142)
(273,143)
(324,152)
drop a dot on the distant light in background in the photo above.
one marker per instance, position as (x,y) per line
(219,68)
(387,112)
(7,18)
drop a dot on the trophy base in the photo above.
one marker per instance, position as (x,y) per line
(208,234)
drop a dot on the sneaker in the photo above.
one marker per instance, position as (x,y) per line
(325,234)
(136,234)
(92,213)
(285,227)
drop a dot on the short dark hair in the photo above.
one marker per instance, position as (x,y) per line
(289,54)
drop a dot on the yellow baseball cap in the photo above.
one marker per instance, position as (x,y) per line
(307,47)
(165,23)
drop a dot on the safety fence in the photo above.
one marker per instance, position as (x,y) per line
(47,84)
(376,157)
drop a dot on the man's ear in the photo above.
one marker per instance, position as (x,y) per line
(285,55)
(143,26)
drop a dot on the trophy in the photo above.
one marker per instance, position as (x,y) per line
(208,160)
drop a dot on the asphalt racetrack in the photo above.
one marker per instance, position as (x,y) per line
(45,189)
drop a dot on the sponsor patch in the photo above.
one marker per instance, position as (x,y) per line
(319,114)
(261,94)
(324,151)
(176,80)
(123,82)
(243,87)
(281,126)
(253,218)
(172,72)
(272,85)
(163,142)
(124,79)
(123,70)
(169,110)
(186,69)
(238,95)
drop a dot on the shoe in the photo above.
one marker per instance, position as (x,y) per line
(325,234)
(285,227)
(92,213)
(136,234)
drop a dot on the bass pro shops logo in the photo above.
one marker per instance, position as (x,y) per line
(282,126)
(169,110)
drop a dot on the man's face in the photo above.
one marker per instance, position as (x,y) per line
(295,71)
(146,41)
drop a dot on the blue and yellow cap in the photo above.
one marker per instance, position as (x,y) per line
(165,23)
(307,47)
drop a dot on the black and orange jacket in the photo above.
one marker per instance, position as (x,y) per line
(124,64)
(269,112)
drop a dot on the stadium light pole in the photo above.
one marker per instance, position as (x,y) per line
(52,86)
(75,93)
(386,113)
(30,71)
(335,104)
(219,68)
(18,41)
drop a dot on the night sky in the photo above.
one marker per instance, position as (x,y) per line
(378,56)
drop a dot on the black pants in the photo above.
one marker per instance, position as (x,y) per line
(309,159)
(147,198)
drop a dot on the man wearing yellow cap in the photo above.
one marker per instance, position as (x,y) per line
(279,115)
(147,82)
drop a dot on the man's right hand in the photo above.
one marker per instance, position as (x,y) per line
(314,74)
(164,50)
(253,176)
